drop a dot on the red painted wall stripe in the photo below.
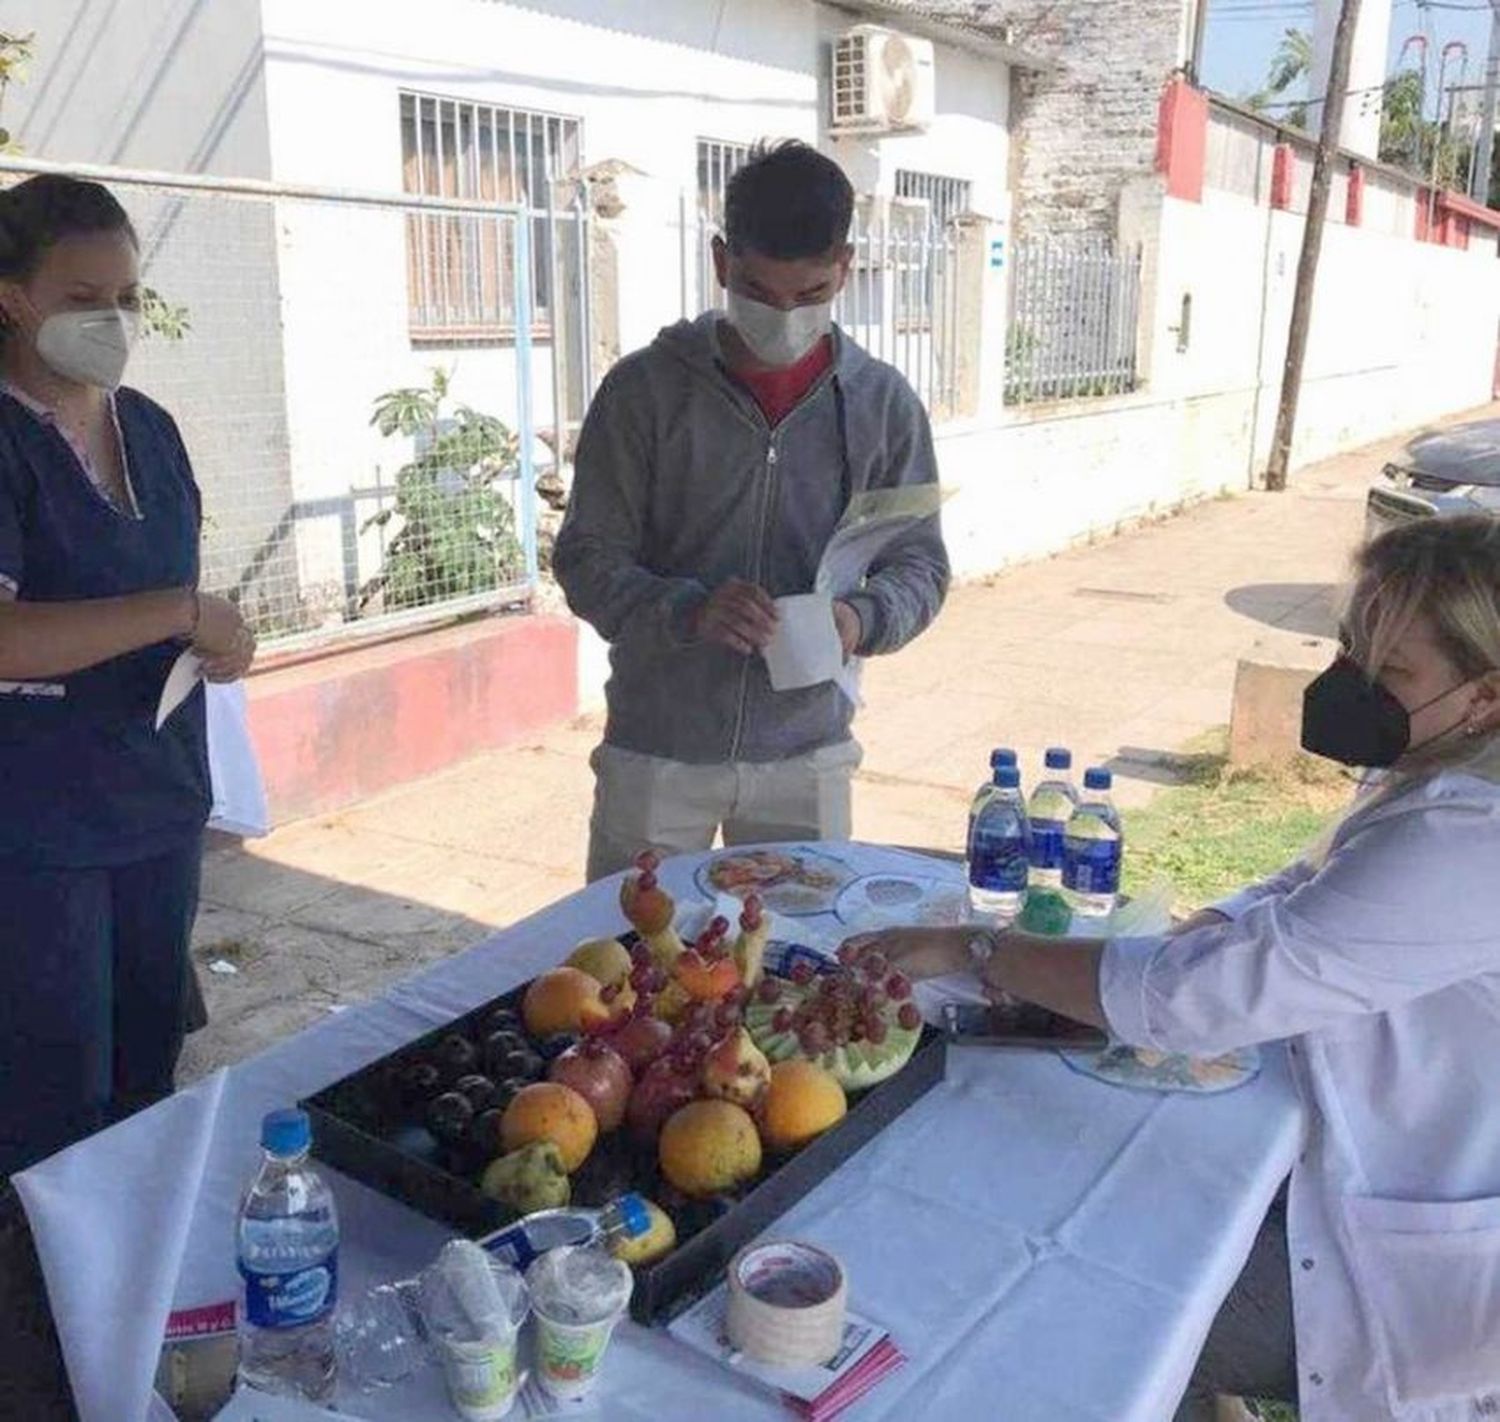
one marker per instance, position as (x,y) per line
(1182,139)
(1281,177)
(1354,203)
(330,733)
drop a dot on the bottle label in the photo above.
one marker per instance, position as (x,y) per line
(1047,844)
(999,865)
(293,1299)
(1092,866)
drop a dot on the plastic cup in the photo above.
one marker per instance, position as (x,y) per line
(482,1376)
(578,1295)
(473,1307)
(569,1355)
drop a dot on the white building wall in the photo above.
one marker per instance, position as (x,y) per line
(1402,333)
(645,82)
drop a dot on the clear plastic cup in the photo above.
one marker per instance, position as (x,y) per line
(474,1306)
(380,1343)
(574,1320)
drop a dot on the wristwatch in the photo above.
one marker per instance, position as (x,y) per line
(982,945)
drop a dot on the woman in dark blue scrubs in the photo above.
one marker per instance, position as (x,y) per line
(101,816)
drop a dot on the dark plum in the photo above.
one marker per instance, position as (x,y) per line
(456,1055)
(449,1117)
(480,1090)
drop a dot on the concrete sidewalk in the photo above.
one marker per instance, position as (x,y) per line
(1124,650)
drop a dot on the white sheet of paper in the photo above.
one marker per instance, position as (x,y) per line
(806,649)
(248,1405)
(186,672)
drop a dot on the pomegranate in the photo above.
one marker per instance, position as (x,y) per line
(662,1090)
(640,1040)
(599,1074)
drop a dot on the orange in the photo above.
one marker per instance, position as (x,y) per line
(550,1111)
(801,1102)
(706,979)
(708,1147)
(562,1001)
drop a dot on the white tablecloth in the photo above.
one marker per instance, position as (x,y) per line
(1042,1246)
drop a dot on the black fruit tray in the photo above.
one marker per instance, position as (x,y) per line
(359,1130)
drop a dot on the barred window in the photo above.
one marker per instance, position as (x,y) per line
(945,197)
(718,162)
(461,267)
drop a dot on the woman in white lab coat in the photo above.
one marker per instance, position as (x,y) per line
(1378,958)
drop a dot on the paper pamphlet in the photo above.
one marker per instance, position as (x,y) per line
(702,1328)
(806,649)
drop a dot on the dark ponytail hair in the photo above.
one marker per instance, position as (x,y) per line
(37,214)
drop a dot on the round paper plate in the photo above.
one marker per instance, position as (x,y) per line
(1142,1070)
(791,881)
(894,900)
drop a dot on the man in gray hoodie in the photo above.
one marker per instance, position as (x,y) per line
(711,473)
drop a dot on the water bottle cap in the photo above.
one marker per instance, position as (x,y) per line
(1008,777)
(635,1218)
(1003,755)
(1059,758)
(287,1132)
(1097,779)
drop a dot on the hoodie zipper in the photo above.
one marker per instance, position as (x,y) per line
(767,503)
(744,405)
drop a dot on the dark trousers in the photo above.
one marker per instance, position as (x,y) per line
(93,994)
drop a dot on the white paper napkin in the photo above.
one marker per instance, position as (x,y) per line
(157,1157)
(186,673)
(806,649)
(239,792)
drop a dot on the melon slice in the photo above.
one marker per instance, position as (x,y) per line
(857,1065)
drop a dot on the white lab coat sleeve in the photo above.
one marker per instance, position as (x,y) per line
(1407,904)
(1277,886)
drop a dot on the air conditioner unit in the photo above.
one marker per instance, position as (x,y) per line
(883,82)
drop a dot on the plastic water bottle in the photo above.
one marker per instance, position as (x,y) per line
(1092,849)
(1000,757)
(519,1244)
(1001,849)
(288,1259)
(1050,808)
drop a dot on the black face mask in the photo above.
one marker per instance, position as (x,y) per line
(1349,718)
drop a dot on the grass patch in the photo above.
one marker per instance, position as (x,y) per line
(1222,828)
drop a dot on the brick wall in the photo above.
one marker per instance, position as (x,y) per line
(1083,128)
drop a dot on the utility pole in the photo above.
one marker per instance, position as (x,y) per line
(1480,184)
(1312,244)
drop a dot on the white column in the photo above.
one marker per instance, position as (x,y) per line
(1360,131)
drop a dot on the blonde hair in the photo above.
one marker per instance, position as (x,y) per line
(1446,570)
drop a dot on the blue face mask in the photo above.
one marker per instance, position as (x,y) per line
(1349,718)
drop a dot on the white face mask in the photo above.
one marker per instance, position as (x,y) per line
(91,347)
(775,336)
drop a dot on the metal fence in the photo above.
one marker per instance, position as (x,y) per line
(358,475)
(1074,312)
(901,299)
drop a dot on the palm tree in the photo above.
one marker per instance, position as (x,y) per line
(1291,63)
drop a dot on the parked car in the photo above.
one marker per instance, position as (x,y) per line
(1437,475)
